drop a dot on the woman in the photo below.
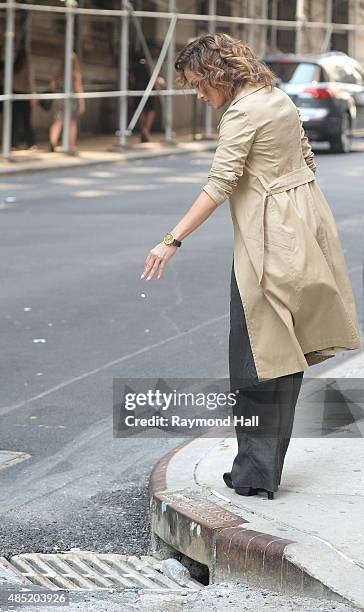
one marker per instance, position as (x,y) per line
(291,303)
(78,106)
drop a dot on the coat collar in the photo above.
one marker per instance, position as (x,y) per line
(246,90)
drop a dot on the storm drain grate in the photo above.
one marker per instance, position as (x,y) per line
(91,571)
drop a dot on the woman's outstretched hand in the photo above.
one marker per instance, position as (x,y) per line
(157,260)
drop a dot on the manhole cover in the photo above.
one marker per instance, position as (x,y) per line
(88,570)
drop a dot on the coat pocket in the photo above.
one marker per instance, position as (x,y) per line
(275,232)
(279,237)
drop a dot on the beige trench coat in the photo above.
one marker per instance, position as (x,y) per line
(288,262)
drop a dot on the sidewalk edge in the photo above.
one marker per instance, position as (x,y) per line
(188,522)
(34,167)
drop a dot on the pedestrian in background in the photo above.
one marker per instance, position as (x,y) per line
(139,77)
(291,301)
(78,106)
(23,83)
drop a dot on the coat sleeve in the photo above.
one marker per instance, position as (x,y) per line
(308,154)
(236,135)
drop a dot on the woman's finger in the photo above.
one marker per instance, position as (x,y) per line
(161,268)
(154,268)
(157,260)
(148,264)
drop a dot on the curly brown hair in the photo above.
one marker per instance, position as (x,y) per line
(222,61)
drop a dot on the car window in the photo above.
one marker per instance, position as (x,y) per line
(358,75)
(296,72)
(345,72)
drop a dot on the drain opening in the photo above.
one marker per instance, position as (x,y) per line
(198,571)
(93,571)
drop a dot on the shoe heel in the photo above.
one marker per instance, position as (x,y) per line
(227,480)
(270,494)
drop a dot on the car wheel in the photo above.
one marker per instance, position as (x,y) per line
(342,143)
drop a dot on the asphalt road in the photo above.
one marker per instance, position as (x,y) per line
(73,318)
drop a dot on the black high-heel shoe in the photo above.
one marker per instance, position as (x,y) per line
(247,491)
(227,480)
(270,494)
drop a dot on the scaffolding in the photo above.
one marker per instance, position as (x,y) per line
(261,18)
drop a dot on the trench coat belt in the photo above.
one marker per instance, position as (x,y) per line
(292,179)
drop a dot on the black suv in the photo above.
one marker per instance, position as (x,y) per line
(328,89)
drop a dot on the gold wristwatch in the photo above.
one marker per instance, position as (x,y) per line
(170,240)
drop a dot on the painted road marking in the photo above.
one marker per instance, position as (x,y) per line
(10,458)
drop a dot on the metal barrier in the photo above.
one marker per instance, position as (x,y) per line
(126,14)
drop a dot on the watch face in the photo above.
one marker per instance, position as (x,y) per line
(168,239)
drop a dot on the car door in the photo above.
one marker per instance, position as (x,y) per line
(349,76)
(358,94)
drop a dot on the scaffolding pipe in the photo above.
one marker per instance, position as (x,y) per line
(274,37)
(68,78)
(8,77)
(327,39)
(353,16)
(300,17)
(251,30)
(124,85)
(168,109)
(223,19)
(263,34)
(208,109)
(97,94)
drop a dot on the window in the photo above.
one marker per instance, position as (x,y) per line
(346,72)
(294,72)
(357,74)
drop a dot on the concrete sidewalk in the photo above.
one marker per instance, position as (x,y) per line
(309,540)
(99,150)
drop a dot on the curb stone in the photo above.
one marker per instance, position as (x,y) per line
(188,522)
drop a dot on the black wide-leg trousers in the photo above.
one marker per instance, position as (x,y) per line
(261,448)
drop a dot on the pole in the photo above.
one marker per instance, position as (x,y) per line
(251,30)
(168,119)
(68,80)
(326,44)
(273,41)
(263,36)
(353,17)
(300,18)
(8,77)
(124,62)
(208,110)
